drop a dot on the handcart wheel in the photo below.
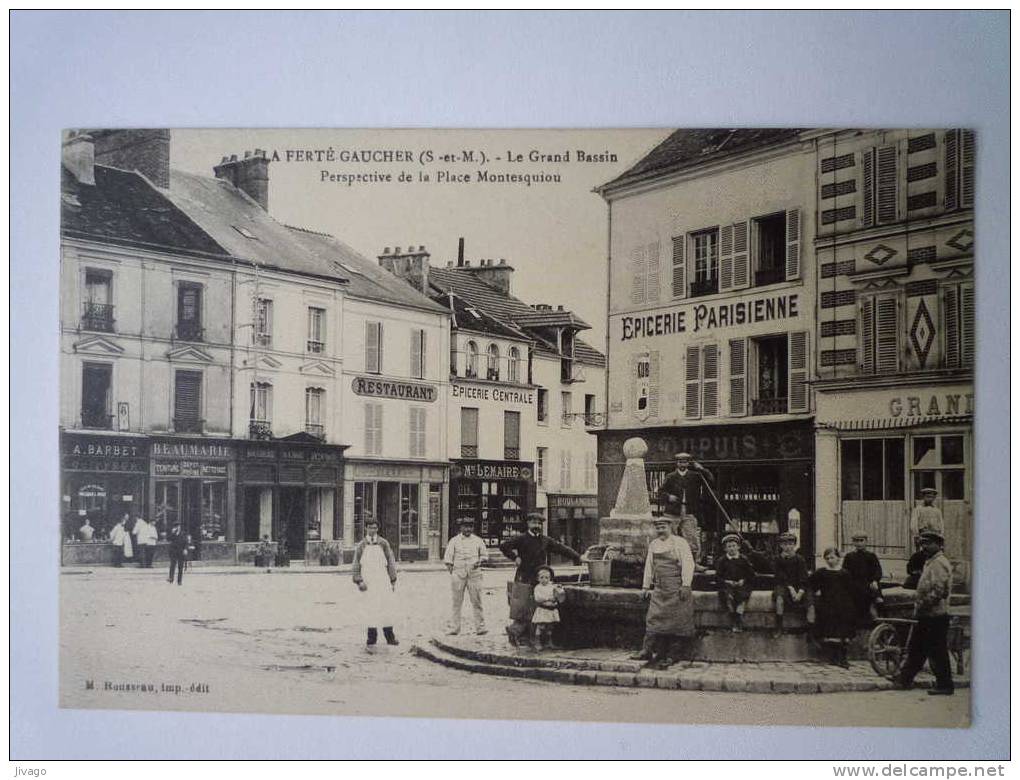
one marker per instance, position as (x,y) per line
(885,650)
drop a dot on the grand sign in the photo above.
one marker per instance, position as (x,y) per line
(389,388)
(931,405)
(496,470)
(500,395)
(710,316)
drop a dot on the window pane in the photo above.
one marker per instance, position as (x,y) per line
(851,465)
(923,479)
(409,514)
(894,469)
(924,448)
(952,485)
(871,469)
(952,450)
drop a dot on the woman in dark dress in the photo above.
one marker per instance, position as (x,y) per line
(834,606)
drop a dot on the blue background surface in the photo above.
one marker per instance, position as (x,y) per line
(543,69)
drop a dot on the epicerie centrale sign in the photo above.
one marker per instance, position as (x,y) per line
(710,316)
(498,394)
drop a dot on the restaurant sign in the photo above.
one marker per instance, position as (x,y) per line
(389,388)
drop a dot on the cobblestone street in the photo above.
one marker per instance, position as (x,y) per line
(237,640)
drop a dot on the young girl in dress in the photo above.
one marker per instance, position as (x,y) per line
(547,613)
(834,606)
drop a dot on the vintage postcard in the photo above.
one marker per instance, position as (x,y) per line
(662,425)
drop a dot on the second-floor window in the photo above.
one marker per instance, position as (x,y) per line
(189,311)
(511,435)
(492,363)
(314,398)
(541,464)
(260,414)
(418,353)
(770,249)
(373,347)
(567,404)
(468,432)
(514,364)
(188,401)
(589,409)
(264,322)
(97,312)
(316,330)
(471,369)
(97,395)
(705,254)
(543,405)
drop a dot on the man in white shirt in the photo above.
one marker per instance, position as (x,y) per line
(464,556)
(146,535)
(927,516)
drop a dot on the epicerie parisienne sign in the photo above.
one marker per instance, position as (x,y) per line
(709,316)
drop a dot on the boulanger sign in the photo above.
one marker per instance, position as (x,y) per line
(500,395)
(388,388)
(711,316)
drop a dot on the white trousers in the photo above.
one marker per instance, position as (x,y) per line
(472,583)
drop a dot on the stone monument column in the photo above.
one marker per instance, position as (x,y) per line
(629,524)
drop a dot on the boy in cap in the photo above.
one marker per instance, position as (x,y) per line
(928,640)
(464,556)
(790,579)
(734,575)
(681,498)
(927,516)
(866,573)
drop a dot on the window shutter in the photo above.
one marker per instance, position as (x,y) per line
(188,397)
(793,244)
(741,256)
(967,169)
(967,326)
(692,409)
(652,278)
(952,169)
(885,184)
(710,383)
(369,429)
(637,269)
(886,340)
(378,429)
(738,377)
(726,257)
(416,342)
(412,427)
(568,468)
(653,383)
(512,429)
(372,347)
(797,371)
(867,340)
(423,353)
(868,187)
(951,312)
(679,267)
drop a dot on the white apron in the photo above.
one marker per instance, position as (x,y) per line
(378,603)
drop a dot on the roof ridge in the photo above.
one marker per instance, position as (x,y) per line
(308,230)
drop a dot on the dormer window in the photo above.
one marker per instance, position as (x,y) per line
(492,364)
(471,370)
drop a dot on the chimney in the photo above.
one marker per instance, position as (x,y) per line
(250,174)
(460,251)
(498,276)
(78,155)
(412,266)
(145,151)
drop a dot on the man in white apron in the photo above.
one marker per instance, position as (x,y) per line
(375,574)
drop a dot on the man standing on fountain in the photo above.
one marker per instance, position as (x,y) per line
(530,551)
(681,498)
(669,572)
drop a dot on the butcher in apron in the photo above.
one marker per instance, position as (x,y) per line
(669,572)
(375,574)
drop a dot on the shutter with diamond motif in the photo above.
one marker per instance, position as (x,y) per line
(738,377)
(885,184)
(692,401)
(679,268)
(741,256)
(710,380)
(867,331)
(797,358)
(726,257)
(793,244)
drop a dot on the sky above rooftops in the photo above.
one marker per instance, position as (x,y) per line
(553,234)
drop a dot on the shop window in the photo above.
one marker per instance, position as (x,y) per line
(364,506)
(213,510)
(435,508)
(97,312)
(511,435)
(492,364)
(320,513)
(316,330)
(541,458)
(771,376)
(260,414)
(188,401)
(939,462)
(514,364)
(189,311)
(471,369)
(872,469)
(264,322)
(314,403)
(373,347)
(468,432)
(409,515)
(543,405)
(705,252)
(96,396)
(168,506)
(770,265)
(418,353)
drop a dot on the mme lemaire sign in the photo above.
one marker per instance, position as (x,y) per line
(708,316)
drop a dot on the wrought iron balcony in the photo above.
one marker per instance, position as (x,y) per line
(768,406)
(316,430)
(190,330)
(511,453)
(187,425)
(492,374)
(469,450)
(97,316)
(316,347)
(260,429)
(769,276)
(709,286)
(96,418)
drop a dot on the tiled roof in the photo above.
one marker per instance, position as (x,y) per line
(124,208)
(366,279)
(474,318)
(686,148)
(551,318)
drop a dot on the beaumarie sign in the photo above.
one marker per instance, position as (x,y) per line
(708,316)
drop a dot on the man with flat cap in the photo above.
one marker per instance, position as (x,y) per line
(866,574)
(927,516)
(929,637)
(529,551)
(464,556)
(681,498)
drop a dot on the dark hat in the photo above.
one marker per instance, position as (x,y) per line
(731,538)
(466,521)
(660,520)
(680,455)
(787,537)
(931,536)
(929,491)
(536,516)
(861,537)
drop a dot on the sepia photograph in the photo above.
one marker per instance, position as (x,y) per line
(669,425)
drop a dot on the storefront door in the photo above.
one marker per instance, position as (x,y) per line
(292,521)
(388,514)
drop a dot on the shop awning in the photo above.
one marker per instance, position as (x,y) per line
(887,423)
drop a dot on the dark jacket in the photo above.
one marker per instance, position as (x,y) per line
(689,490)
(738,568)
(790,571)
(863,567)
(178,543)
(534,552)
